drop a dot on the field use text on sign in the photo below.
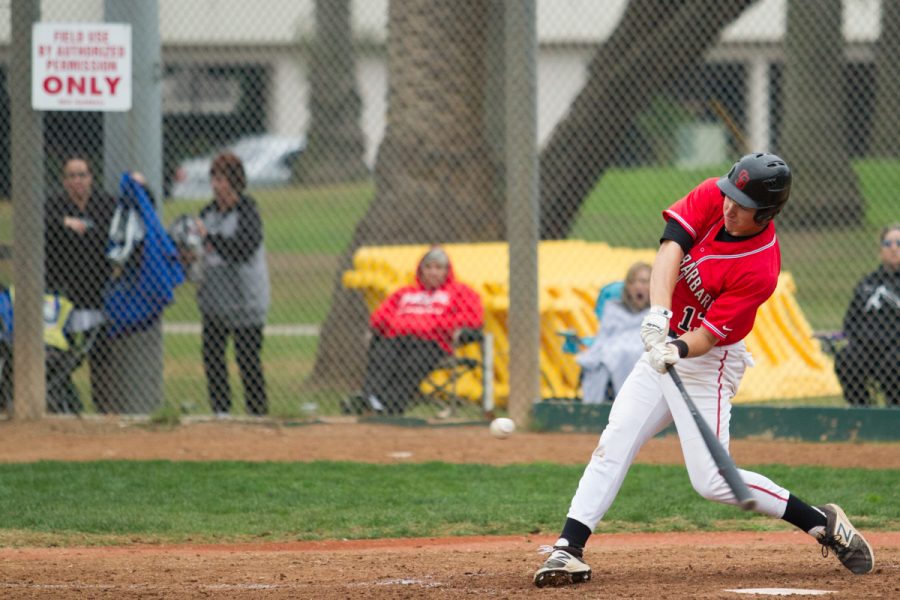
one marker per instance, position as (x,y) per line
(81,66)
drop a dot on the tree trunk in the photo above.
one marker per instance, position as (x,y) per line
(656,44)
(435,175)
(335,146)
(886,124)
(826,191)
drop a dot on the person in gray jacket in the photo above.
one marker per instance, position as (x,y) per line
(233,294)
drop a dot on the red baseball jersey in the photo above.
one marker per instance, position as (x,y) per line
(721,284)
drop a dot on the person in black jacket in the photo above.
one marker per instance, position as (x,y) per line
(872,328)
(76,226)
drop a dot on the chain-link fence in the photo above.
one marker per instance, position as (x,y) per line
(303,156)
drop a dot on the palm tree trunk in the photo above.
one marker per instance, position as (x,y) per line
(886,124)
(335,144)
(436,174)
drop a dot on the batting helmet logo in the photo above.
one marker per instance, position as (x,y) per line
(743,179)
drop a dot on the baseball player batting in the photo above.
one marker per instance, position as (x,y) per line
(718,261)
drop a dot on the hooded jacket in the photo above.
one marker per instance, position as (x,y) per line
(430,314)
(873,317)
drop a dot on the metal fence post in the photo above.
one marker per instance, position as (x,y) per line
(132,376)
(28,213)
(520,117)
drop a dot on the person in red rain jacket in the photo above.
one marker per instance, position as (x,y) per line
(412,330)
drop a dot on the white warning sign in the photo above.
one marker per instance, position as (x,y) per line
(81,66)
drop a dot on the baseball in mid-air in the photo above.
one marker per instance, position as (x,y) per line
(502,427)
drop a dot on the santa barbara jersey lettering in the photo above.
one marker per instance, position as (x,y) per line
(721,284)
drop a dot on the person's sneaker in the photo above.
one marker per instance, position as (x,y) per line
(562,567)
(848,544)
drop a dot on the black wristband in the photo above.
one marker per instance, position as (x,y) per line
(682,347)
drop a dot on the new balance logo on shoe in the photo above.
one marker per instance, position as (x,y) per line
(844,532)
(845,541)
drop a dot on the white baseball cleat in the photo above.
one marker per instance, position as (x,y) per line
(848,544)
(562,567)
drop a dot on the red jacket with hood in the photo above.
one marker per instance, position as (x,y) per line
(431,314)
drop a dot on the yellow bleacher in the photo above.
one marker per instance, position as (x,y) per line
(789,362)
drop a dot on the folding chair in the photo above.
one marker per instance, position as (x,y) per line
(463,377)
(831,341)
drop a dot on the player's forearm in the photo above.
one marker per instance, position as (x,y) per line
(665,273)
(699,341)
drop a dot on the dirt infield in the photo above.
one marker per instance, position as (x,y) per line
(625,565)
(344,439)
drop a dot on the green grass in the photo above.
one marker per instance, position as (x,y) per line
(625,209)
(125,501)
(306,230)
(314,220)
(287,361)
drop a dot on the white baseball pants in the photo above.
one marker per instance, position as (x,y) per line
(647,403)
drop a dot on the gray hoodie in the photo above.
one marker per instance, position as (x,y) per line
(235,286)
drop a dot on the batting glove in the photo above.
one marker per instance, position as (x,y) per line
(655,326)
(663,355)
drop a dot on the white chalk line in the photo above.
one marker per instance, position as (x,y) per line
(781,592)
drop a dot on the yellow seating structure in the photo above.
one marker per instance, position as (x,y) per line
(789,362)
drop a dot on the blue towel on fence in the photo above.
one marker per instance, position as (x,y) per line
(137,297)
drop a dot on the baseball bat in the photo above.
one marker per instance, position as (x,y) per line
(723,461)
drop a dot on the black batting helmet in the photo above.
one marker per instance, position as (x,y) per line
(761,181)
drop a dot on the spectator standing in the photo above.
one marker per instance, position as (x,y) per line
(76,226)
(234,294)
(412,330)
(617,346)
(872,328)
